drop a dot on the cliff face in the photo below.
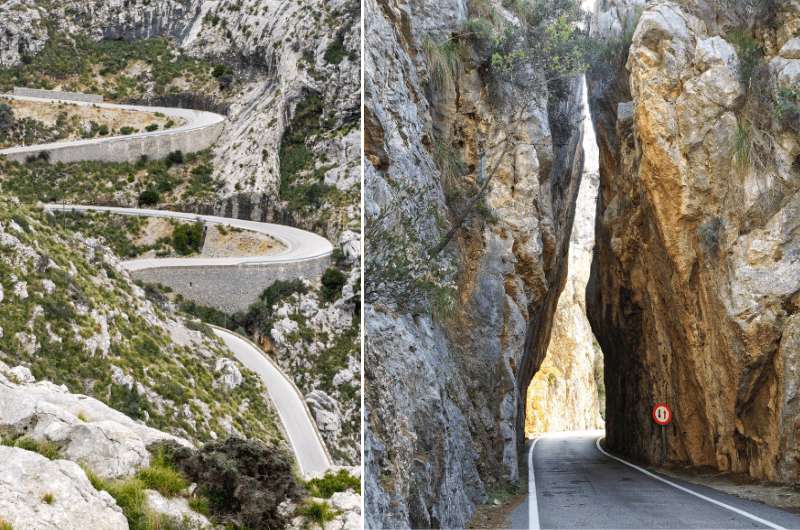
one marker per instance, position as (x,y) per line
(453,337)
(695,284)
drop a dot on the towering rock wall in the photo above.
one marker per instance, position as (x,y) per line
(695,283)
(445,393)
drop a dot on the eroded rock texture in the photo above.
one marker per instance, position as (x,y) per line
(696,284)
(446,394)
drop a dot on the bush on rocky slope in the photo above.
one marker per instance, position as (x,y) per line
(126,68)
(244,480)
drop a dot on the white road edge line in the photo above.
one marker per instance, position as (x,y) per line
(533,505)
(690,492)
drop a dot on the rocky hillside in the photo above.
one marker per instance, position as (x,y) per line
(694,289)
(130,392)
(473,166)
(72,315)
(286,75)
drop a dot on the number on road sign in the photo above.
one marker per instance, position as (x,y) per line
(662,414)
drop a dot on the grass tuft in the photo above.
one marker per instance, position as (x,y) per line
(318,512)
(444,63)
(332,483)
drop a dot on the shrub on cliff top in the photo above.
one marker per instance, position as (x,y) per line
(149,197)
(188,238)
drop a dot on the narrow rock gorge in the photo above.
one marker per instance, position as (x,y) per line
(567,392)
(695,283)
(461,286)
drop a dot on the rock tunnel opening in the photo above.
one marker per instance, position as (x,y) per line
(567,392)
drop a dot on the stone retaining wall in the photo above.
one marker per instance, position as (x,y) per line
(230,288)
(129,148)
(57,94)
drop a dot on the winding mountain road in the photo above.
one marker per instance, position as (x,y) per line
(300,244)
(200,130)
(309,449)
(298,423)
(574,483)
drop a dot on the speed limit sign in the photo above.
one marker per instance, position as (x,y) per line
(662,414)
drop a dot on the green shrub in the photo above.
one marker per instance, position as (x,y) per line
(5,525)
(332,282)
(175,158)
(749,53)
(200,505)
(444,63)
(7,119)
(336,52)
(188,238)
(125,131)
(45,448)
(129,401)
(103,130)
(300,187)
(152,127)
(332,483)
(48,498)
(259,315)
(149,197)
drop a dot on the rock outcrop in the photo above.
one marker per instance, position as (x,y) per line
(455,331)
(83,429)
(695,285)
(41,494)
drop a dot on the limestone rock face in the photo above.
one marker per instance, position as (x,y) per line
(25,479)
(694,288)
(84,429)
(446,393)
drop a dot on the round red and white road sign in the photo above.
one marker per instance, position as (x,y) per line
(662,414)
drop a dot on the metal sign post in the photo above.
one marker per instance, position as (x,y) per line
(662,415)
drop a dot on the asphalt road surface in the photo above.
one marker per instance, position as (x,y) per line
(304,438)
(575,486)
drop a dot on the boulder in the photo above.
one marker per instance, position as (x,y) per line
(41,494)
